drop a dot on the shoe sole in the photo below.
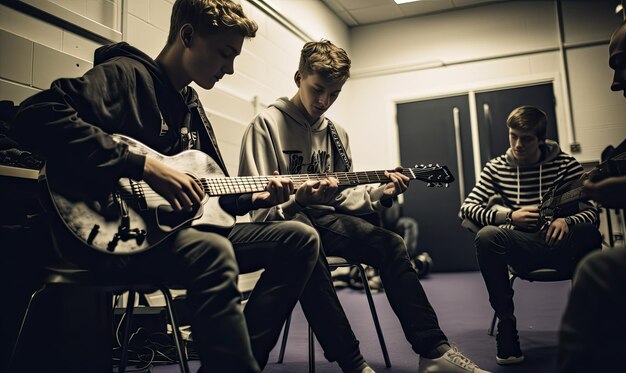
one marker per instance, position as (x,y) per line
(511,360)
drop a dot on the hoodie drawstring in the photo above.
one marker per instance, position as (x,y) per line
(540,184)
(518,188)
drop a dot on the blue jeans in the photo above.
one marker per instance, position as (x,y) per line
(355,239)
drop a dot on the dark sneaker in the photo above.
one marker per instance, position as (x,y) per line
(507,340)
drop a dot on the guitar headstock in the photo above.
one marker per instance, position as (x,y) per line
(434,175)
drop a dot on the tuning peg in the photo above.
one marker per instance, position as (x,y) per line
(437,165)
(430,165)
(430,185)
(447,185)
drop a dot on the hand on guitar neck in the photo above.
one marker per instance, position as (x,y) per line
(610,192)
(322,192)
(317,192)
(278,190)
(398,185)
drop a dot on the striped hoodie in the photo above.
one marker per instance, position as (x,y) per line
(519,186)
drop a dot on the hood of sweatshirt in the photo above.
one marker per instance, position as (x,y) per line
(161,81)
(123,49)
(292,111)
(549,151)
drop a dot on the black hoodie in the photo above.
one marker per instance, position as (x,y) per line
(125,92)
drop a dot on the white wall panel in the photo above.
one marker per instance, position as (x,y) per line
(145,36)
(140,9)
(79,46)
(585,21)
(50,64)
(15,92)
(16,60)
(106,12)
(600,115)
(30,28)
(160,11)
(474,33)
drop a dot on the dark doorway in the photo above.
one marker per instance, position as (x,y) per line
(493,107)
(439,131)
(428,134)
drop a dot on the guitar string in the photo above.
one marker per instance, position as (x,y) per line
(258,183)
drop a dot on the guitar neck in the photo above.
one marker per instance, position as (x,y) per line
(252,184)
(576,194)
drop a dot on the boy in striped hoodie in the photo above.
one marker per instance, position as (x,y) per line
(515,235)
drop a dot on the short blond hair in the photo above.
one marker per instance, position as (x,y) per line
(324,58)
(210,16)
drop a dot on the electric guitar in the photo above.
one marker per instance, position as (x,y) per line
(134,218)
(562,200)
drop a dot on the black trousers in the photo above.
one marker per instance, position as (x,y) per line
(208,264)
(497,248)
(356,239)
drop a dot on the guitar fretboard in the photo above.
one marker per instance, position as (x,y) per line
(251,184)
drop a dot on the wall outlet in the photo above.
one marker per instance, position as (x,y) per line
(574,147)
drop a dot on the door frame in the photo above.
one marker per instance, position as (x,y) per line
(563,119)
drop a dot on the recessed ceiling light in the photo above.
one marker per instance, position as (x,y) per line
(404,1)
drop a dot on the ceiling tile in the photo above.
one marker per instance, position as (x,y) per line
(425,6)
(462,3)
(377,14)
(361,4)
(334,5)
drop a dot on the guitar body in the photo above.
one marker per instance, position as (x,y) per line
(133,218)
(130,217)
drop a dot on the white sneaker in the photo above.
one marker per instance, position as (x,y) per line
(452,361)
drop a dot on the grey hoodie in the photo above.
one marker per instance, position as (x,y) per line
(280,138)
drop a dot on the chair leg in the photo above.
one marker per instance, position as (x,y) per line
(22,326)
(370,301)
(127,328)
(311,350)
(283,343)
(178,341)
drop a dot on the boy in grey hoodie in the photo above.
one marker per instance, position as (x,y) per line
(515,235)
(294,137)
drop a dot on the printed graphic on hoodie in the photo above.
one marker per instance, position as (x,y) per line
(319,162)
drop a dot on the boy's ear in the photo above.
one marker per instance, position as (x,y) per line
(297,78)
(186,34)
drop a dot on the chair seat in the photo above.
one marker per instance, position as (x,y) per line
(115,282)
(104,281)
(538,275)
(543,275)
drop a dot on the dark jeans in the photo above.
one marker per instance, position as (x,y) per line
(356,239)
(497,248)
(208,264)
(594,323)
